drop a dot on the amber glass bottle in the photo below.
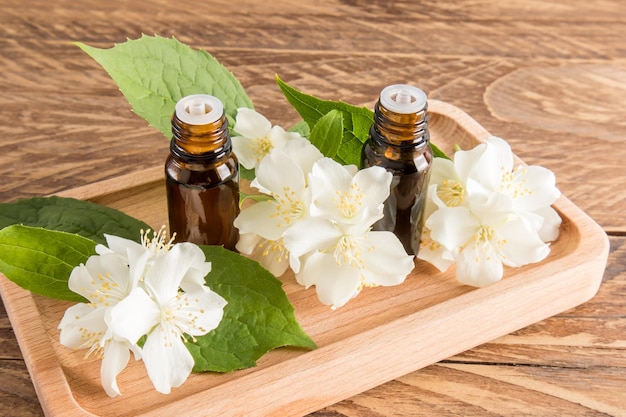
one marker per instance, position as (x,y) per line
(399,142)
(202,174)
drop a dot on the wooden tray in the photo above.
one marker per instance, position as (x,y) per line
(382,334)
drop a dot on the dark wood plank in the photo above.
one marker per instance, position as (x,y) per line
(480,390)
(69,139)
(17,394)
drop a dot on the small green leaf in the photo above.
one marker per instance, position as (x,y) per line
(41,260)
(327,133)
(257,318)
(302,128)
(254,197)
(154,73)
(87,219)
(246,174)
(356,121)
(438,153)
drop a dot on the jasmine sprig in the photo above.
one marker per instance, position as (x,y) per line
(41,248)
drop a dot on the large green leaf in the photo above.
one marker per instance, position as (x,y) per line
(73,216)
(154,73)
(257,318)
(41,260)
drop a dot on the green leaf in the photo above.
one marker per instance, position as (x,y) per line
(356,120)
(254,197)
(246,174)
(438,153)
(327,133)
(257,318)
(154,73)
(302,128)
(73,216)
(41,260)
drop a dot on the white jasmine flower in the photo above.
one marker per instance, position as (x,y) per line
(104,280)
(161,311)
(484,239)
(114,282)
(340,255)
(489,168)
(258,137)
(341,262)
(282,175)
(483,213)
(347,195)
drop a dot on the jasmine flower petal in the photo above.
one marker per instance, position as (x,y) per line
(116,357)
(167,360)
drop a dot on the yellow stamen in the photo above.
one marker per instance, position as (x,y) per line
(451,193)
(288,207)
(349,202)
(157,243)
(261,146)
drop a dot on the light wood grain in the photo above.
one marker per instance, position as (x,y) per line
(547,76)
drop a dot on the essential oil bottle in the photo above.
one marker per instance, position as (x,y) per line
(399,142)
(202,174)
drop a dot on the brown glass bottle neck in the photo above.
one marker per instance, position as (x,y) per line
(200,141)
(401,130)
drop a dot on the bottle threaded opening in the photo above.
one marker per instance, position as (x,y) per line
(403,98)
(199,109)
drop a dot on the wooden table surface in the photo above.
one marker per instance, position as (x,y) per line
(548,76)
